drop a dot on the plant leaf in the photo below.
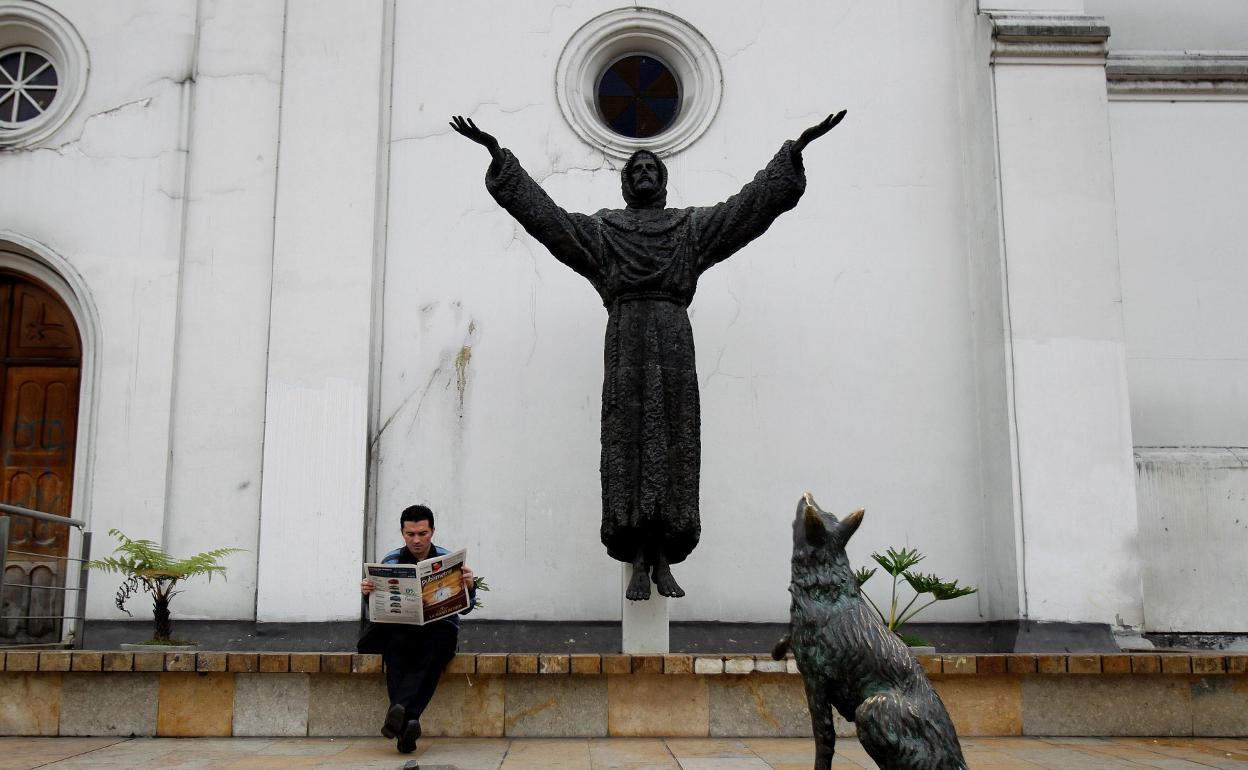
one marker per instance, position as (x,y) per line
(896,562)
(921,583)
(864,574)
(951,590)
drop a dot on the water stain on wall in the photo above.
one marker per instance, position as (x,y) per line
(462,359)
(461,374)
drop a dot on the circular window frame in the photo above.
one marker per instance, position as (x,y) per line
(617,60)
(25,24)
(647,32)
(9,125)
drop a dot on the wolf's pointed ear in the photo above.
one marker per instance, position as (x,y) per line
(849,525)
(816,532)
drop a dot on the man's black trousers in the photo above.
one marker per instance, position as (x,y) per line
(415,657)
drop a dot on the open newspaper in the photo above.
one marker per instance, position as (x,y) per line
(418,593)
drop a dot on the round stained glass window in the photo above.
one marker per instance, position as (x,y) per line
(638,79)
(28,84)
(638,96)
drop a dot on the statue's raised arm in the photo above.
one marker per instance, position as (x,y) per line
(815,131)
(570,237)
(466,128)
(723,229)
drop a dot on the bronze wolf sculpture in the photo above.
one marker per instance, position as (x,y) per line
(851,662)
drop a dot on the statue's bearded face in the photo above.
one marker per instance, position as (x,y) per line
(644,181)
(644,175)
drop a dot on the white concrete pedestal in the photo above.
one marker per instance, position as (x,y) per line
(644,623)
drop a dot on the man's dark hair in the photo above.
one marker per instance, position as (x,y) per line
(416,513)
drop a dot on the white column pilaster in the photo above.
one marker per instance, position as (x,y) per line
(1076,523)
(217,431)
(316,423)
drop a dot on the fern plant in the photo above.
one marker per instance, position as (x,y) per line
(899,564)
(147,568)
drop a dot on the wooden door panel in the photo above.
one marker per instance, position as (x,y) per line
(42,494)
(40,327)
(36,432)
(44,605)
(23,430)
(19,489)
(40,412)
(14,603)
(60,413)
(40,367)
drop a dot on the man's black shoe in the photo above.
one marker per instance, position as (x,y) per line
(407,740)
(395,717)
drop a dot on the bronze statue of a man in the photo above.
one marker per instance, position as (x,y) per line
(644,261)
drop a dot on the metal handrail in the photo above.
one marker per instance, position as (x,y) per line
(38,617)
(48,557)
(77,621)
(46,588)
(41,516)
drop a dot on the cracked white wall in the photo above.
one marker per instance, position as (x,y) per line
(105,193)
(316,414)
(1179,170)
(222,350)
(1193,25)
(834,353)
(848,351)
(1180,179)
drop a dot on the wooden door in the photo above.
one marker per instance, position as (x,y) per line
(40,369)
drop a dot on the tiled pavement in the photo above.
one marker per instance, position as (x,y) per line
(598,753)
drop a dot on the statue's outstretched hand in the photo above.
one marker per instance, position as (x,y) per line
(818,130)
(466,128)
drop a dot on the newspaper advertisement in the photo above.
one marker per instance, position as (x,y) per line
(418,593)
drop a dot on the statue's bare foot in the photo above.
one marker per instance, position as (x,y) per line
(638,586)
(667,584)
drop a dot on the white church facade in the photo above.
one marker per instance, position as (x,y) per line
(256,295)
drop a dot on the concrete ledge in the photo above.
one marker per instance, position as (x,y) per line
(535,695)
(1160,662)
(1168,74)
(1043,38)
(601,637)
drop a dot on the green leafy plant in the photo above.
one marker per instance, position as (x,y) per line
(479,584)
(899,565)
(147,568)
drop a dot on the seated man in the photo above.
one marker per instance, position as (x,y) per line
(414,656)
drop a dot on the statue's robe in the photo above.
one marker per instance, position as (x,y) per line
(644,262)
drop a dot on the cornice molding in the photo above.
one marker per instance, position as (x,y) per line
(1048,38)
(1195,75)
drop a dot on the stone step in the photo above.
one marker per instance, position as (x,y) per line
(1179,662)
(210,693)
